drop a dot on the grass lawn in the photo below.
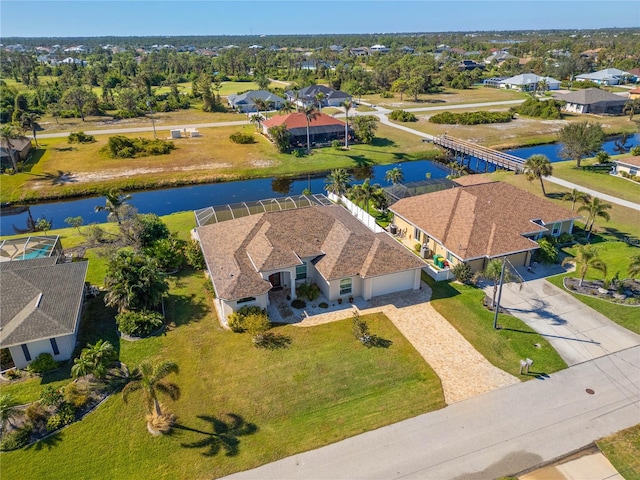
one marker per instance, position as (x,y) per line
(211,157)
(623,451)
(323,388)
(462,306)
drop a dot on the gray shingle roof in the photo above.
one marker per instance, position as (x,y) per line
(249,97)
(310,92)
(237,250)
(39,299)
(590,95)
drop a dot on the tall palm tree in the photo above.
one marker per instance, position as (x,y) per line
(30,120)
(287,107)
(394,175)
(309,114)
(8,410)
(595,208)
(536,167)
(587,257)
(364,192)
(261,105)
(493,272)
(114,201)
(347,105)
(575,196)
(634,266)
(8,134)
(257,120)
(319,98)
(338,182)
(148,378)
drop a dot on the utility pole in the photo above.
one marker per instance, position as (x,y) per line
(497,305)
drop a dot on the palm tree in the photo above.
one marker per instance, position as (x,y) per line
(287,107)
(364,192)
(261,105)
(536,167)
(30,120)
(148,378)
(319,98)
(394,175)
(338,182)
(8,133)
(94,359)
(347,105)
(634,266)
(114,201)
(493,272)
(81,367)
(586,258)
(309,114)
(256,119)
(575,196)
(595,208)
(8,410)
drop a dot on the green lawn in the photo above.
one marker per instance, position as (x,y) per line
(623,451)
(462,306)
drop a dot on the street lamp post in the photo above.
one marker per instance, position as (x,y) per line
(497,305)
(153,122)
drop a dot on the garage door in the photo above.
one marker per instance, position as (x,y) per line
(395,282)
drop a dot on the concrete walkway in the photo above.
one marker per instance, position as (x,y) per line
(463,371)
(594,193)
(499,433)
(577,332)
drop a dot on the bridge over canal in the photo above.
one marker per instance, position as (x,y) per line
(466,150)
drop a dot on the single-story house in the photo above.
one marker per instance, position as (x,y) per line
(313,65)
(41,307)
(629,165)
(469,65)
(593,100)
(307,96)
(528,82)
(323,129)
(479,222)
(608,76)
(498,58)
(379,49)
(635,93)
(245,102)
(249,256)
(20,146)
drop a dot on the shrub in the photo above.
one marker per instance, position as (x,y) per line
(80,137)
(471,118)
(386,95)
(43,363)
(169,252)
(336,144)
(76,395)
(96,233)
(310,291)
(565,238)
(37,414)
(193,255)
(323,305)
(297,303)
(236,320)
(139,324)
(64,416)
(547,109)
(548,253)
(635,151)
(50,396)
(403,116)
(16,439)
(360,329)
(242,138)
(120,146)
(463,273)
(153,229)
(298,153)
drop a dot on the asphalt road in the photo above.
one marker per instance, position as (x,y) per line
(594,193)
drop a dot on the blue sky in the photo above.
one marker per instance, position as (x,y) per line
(30,18)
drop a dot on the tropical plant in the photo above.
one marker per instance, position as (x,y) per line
(30,120)
(338,182)
(580,139)
(462,271)
(595,208)
(586,257)
(310,114)
(114,202)
(75,222)
(257,120)
(634,266)
(8,410)
(8,133)
(536,167)
(347,105)
(493,272)
(287,107)
(394,175)
(281,137)
(319,100)
(575,196)
(365,127)
(94,359)
(364,192)
(139,324)
(149,378)
(602,157)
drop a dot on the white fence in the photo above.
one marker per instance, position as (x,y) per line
(357,212)
(438,274)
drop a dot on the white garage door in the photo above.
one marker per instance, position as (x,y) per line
(395,282)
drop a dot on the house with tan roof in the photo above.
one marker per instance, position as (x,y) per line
(629,166)
(477,223)
(323,129)
(251,256)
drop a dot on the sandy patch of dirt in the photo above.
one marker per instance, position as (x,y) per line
(109,175)
(263,163)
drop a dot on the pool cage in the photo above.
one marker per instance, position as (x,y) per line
(30,247)
(404,190)
(221,213)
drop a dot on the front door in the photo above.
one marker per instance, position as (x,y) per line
(275,280)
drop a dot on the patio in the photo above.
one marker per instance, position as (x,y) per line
(281,311)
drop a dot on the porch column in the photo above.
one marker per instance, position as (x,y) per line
(292,280)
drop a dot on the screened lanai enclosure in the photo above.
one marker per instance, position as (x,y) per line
(30,247)
(403,190)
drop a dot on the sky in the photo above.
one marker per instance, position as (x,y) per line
(31,18)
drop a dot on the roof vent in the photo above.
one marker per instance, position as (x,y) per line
(39,300)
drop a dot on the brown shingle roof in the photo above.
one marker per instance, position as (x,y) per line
(633,161)
(237,250)
(481,220)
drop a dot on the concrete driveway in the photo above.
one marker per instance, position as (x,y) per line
(577,332)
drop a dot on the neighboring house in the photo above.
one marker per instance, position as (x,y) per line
(21,146)
(635,93)
(593,100)
(379,49)
(307,96)
(528,82)
(608,76)
(323,129)
(41,307)
(313,65)
(408,50)
(479,222)
(245,102)
(359,51)
(470,65)
(498,58)
(250,256)
(629,165)
(635,72)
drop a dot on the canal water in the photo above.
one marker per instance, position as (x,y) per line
(178,199)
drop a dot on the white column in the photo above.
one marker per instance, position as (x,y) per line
(292,280)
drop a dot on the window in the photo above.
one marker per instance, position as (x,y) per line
(25,350)
(301,272)
(345,286)
(633,172)
(449,257)
(417,233)
(556,229)
(54,345)
(246,300)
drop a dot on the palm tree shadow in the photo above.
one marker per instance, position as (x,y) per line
(221,435)
(49,442)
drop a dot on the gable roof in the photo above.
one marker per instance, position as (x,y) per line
(249,97)
(605,74)
(237,250)
(311,91)
(483,220)
(631,161)
(40,300)
(590,95)
(528,79)
(299,120)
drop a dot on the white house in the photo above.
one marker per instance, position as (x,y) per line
(528,82)
(608,76)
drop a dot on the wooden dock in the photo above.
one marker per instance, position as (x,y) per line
(488,155)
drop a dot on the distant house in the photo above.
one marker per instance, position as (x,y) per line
(608,76)
(635,93)
(528,82)
(20,146)
(469,65)
(629,165)
(335,48)
(307,96)
(636,74)
(593,100)
(41,306)
(323,129)
(245,102)
(478,223)
(379,49)
(498,58)
(313,65)
(359,51)
(249,257)
(407,50)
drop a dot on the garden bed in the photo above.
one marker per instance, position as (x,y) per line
(626,292)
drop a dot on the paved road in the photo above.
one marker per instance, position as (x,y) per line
(499,433)
(594,193)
